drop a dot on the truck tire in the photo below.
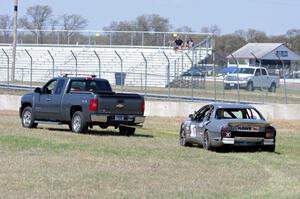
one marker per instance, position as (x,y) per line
(28,118)
(272,88)
(78,124)
(126,130)
(250,86)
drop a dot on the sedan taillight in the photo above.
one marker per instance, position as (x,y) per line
(270,132)
(226,131)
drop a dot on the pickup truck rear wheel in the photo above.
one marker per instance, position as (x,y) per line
(126,130)
(28,119)
(78,124)
(272,88)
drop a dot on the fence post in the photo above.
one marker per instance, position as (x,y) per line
(168,74)
(261,86)
(237,75)
(30,67)
(146,71)
(75,63)
(192,75)
(214,74)
(284,80)
(7,65)
(122,82)
(52,63)
(99,61)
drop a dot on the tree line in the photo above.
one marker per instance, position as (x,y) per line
(41,17)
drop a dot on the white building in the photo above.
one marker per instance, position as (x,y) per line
(270,55)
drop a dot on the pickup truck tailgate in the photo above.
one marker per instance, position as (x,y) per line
(119,103)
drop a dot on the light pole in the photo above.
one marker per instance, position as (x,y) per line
(14,40)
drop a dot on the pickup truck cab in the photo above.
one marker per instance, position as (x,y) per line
(251,78)
(82,102)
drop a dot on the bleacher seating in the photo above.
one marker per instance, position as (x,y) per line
(133,63)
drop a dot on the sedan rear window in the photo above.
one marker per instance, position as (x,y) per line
(238,113)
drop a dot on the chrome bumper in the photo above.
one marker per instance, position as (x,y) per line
(248,141)
(105,118)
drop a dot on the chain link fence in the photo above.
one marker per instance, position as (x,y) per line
(188,74)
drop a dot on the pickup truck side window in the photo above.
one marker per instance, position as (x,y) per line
(257,72)
(264,72)
(59,87)
(89,85)
(49,87)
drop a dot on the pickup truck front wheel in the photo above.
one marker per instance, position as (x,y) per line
(78,125)
(28,119)
(126,130)
(250,86)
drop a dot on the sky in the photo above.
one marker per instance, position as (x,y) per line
(274,17)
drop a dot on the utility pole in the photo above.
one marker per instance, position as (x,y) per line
(14,40)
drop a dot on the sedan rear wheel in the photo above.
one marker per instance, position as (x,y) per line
(207,141)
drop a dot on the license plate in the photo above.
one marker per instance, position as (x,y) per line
(248,128)
(123,118)
(232,85)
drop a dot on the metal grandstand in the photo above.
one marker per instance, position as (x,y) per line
(144,65)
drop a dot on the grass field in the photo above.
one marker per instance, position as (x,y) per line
(51,162)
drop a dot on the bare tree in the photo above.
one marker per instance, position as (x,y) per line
(72,22)
(5,25)
(214,29)
(37,18)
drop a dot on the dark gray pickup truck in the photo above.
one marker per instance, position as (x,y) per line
(82,102)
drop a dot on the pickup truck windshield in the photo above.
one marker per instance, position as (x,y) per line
(89,85)
(244,71)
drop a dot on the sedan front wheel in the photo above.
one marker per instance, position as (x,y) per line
(182,138)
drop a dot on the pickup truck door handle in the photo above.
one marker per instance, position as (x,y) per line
(48,99)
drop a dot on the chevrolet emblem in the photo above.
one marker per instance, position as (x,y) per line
(120,106)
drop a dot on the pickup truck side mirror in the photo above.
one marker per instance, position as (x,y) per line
(38,90)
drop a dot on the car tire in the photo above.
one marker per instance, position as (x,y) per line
(28,118)
(182,138)
(207,141)
(272,88)
(250,86)
(127,131)
(269,148)
(78,125)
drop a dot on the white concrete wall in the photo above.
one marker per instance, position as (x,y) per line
(182,109)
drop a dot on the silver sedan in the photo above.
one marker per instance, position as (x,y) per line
(216,125)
